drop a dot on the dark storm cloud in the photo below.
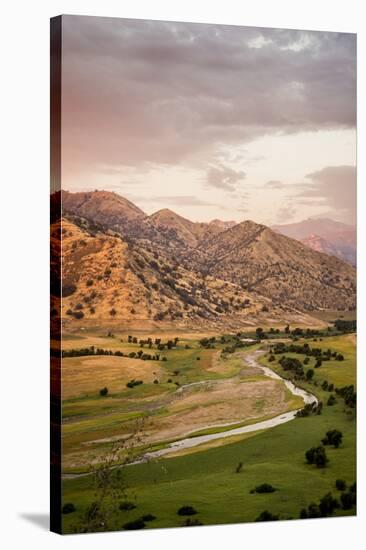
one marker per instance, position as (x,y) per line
(144,92)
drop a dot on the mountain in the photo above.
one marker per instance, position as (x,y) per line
(119,263)
(280,268)
(324,235)
(107,278)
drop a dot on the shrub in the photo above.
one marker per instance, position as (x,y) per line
(112,312)
(79,306)
(89,282)
(136,524)
(78,314)
(265,488)
(186,511)
(348,500)
(331,401)
(68,508)
(132,383)
(103,392)
(340,484)
(239,468)
(309,374)
(328,504)
(126,506)
(266,516)
(333,437)
(317,456)
(68,290)
(148,517)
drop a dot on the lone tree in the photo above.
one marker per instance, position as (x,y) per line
(317,456)
(103,391)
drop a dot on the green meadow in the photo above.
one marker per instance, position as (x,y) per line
(206,479)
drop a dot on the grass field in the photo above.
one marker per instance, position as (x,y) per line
(207,479)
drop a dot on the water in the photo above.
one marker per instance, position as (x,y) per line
(190,442)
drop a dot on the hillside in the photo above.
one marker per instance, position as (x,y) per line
(124,265)
(280,268)
(107,278)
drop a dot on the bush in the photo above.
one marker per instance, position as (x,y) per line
(126,506)
(267,516)
(340,484)
(317,456)
(348,500)
(264,488)
(186,511)
(68,290)
(78,314)
(331,401)
(333,437)
(68,508)
(89,282)
(103,392)
(328,504)
(136,524)
(112,312)
(132,383)
(148,517)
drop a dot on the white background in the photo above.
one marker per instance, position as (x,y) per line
(24,88)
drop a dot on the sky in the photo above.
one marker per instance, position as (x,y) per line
(211,121)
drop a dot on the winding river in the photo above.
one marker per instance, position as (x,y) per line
(190,442)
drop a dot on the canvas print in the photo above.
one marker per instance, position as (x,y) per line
(203,274)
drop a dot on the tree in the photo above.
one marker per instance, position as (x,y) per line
(340,484)
(333,437)
(108,483)
(103,392)
(68,508)
(348,500)
(317,456)
(239,468)
(331,401)
(186,511)
(266,516)
(309,374)
(328,504)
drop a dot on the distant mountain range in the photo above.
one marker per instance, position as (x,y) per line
(119,263)
(324,235)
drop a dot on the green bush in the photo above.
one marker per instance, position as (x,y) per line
(186,511)
(136,524)
(68,508)
(266,516)
(126,506)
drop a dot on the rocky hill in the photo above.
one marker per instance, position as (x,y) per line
(119,263)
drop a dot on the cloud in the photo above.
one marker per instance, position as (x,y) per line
(275,184)
(286,213)
(139,93)
(223,177)
(336,186)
